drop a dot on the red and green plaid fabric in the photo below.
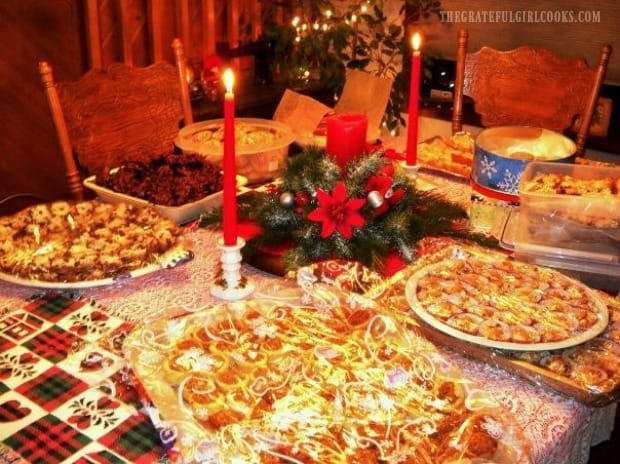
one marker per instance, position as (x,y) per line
(47,440)
(66,395)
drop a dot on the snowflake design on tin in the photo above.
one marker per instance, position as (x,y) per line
(487,167)
(510,182)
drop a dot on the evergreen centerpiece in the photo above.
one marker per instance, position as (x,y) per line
(368,213)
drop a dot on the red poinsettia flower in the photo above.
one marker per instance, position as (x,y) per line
(337,213)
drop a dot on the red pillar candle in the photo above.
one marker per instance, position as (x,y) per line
(346,136)
(414,99)
(230,184)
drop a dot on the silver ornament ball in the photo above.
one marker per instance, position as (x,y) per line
(287,199)
(375,199)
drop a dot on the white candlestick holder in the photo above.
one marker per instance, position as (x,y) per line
(410,169)
(229,283)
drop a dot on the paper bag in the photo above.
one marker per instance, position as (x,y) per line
(365,93)
(300,112)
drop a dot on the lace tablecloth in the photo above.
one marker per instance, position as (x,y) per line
(58,405)
(53,410)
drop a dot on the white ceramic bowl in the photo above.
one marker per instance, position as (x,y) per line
(261,147)
(179,214)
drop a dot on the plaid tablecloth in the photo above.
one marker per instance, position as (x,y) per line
(65,391)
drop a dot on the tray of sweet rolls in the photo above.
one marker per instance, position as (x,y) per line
(70,245)
(532,321)
(326,382)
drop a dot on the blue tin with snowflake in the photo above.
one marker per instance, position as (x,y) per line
(500,157)
(501,154)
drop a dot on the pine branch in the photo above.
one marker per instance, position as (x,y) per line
(409,217)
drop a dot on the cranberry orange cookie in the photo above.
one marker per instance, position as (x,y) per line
(506,304)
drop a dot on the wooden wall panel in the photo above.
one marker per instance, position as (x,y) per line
(209,28)
(135,32)
(32,30)
(161,32)
(109,27)
(193,50)
(140,32)
(93,32)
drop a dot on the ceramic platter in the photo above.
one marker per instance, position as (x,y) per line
(506,304)
(172,259)
(179,214)
(67,245)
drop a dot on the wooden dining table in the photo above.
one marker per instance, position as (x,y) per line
(66,393)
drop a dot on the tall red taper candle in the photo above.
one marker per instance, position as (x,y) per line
(414,98)
(230,183)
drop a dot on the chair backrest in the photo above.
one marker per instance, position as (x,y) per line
(116,114)
(528,86)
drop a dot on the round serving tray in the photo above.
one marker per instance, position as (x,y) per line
(598,307)
(172,259)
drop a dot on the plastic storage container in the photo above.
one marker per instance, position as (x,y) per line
(261,145)
(577,232)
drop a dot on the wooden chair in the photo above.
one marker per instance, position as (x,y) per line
(530,87)
(115,114)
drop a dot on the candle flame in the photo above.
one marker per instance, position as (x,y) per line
(416,41)
(229,80)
